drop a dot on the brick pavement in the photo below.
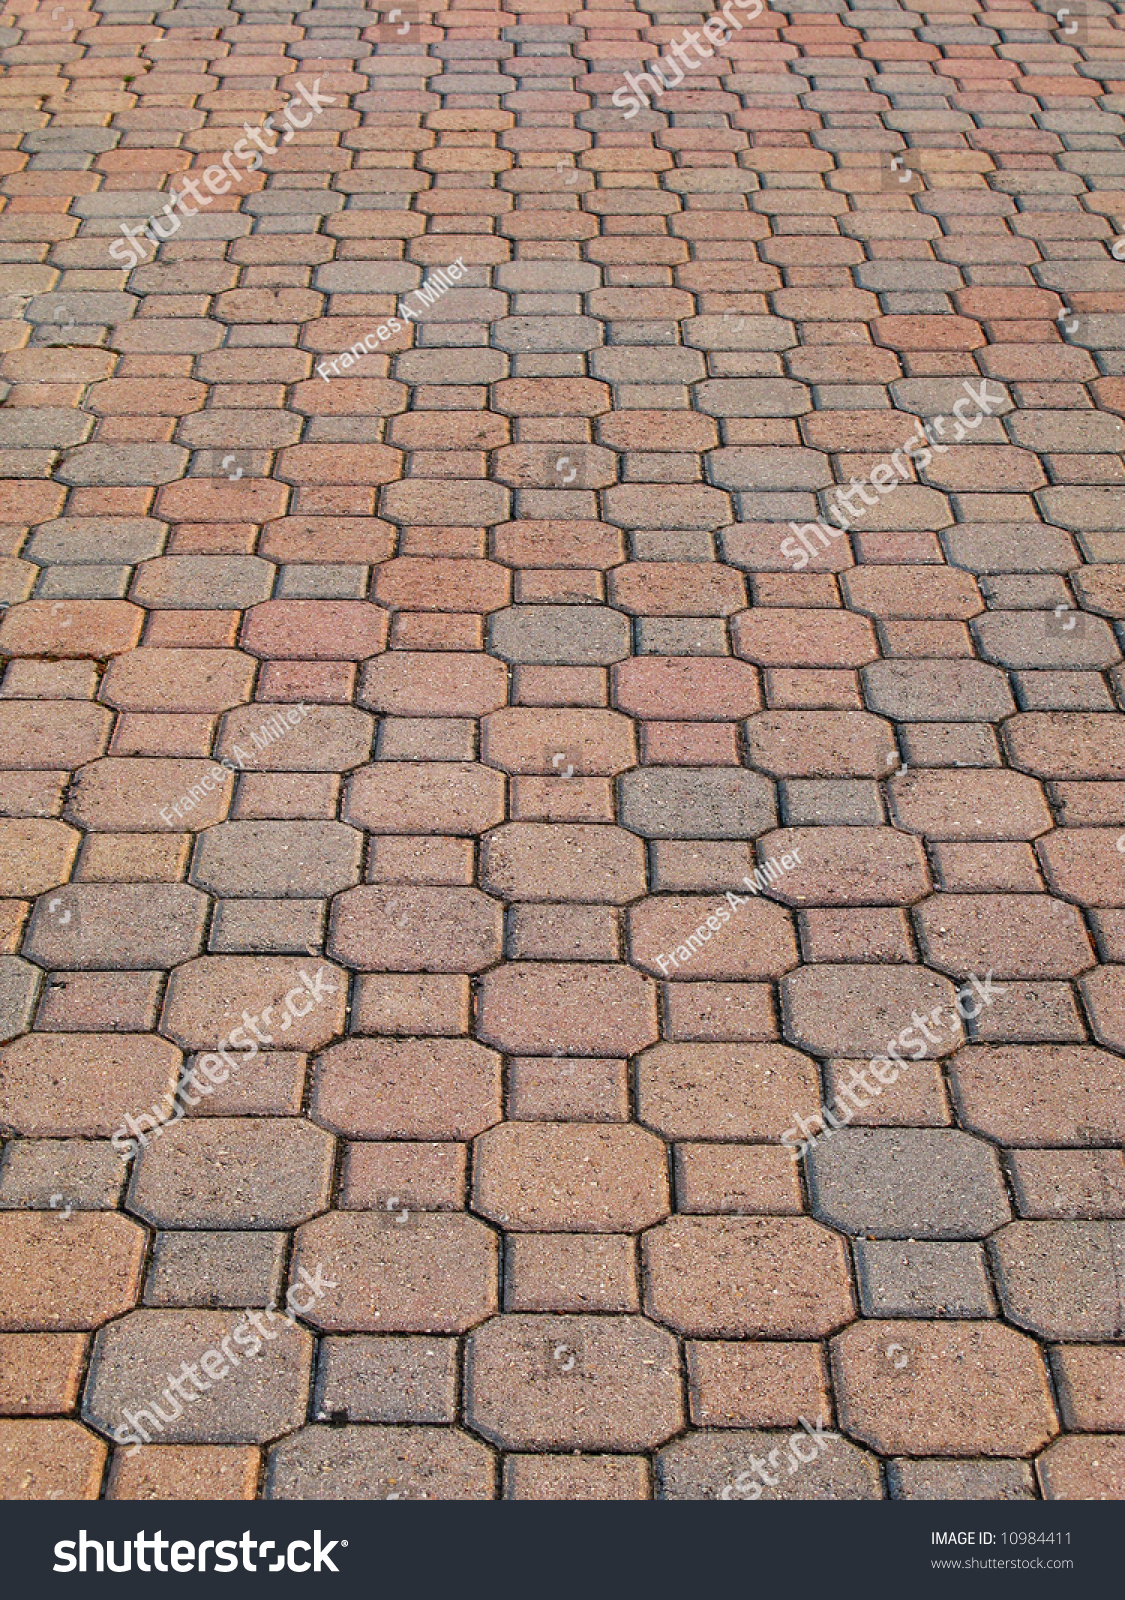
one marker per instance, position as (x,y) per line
(521,563)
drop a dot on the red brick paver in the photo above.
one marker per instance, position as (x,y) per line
(454,834)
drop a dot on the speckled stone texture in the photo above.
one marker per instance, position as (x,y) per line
(504,716)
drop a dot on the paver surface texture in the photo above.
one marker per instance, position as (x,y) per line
(496,760)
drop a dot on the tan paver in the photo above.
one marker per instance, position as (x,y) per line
(538,635)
